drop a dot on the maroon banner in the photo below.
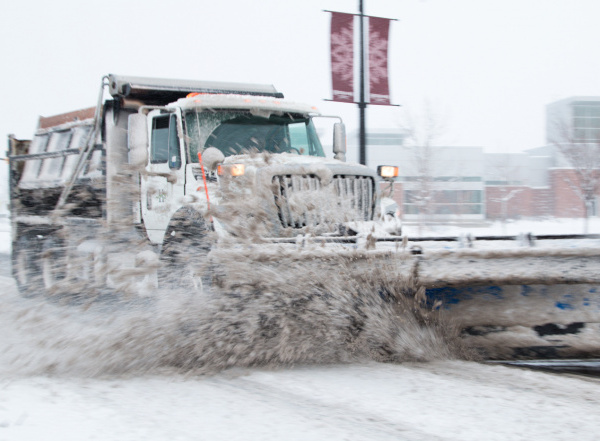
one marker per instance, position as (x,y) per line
(379,90)
(342,57)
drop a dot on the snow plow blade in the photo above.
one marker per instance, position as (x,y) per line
(512,297)
(517,297)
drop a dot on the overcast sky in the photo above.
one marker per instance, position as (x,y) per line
(488,66)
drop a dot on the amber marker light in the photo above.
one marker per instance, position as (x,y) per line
(387,171)
(231,169)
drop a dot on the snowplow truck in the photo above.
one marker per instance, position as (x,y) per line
(176,166)
(162,179)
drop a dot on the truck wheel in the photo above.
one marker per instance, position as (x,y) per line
(184,255)
(53,264)
(26,266)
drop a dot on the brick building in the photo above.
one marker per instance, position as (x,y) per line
(465,184)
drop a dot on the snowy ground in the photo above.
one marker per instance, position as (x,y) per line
(437,400)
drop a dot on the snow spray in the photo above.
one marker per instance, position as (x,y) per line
(276,312)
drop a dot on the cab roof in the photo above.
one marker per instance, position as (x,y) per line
(244,102)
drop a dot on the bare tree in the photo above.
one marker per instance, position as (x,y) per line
(583,155)
(504,199)
(421,133)
(504,172)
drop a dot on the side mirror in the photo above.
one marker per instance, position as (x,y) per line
(137,140)
(212,157)
(339,141)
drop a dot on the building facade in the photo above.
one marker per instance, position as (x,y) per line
(465,184)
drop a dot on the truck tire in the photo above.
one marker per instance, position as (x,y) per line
(26,265)
(184,254)
(53,264)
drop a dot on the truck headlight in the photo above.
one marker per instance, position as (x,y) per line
(231,169)
(387,171)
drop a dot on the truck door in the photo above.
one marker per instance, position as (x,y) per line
(162,187)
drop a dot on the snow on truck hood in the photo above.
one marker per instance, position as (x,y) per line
(312,164)
(243,102)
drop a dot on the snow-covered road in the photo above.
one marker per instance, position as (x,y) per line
(440,400)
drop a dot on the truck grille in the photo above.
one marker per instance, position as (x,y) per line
(354,194)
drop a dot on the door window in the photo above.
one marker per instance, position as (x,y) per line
(165,142)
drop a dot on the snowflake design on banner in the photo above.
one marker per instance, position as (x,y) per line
(342,54)
(377,58)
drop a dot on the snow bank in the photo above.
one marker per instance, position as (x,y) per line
(512,228)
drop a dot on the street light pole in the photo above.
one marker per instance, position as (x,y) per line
(362,105)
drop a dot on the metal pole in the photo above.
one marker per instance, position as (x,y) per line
(361,102)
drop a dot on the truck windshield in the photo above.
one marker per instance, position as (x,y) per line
(239,132)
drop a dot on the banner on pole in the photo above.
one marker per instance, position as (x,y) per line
(342,57)
(376,59)
(379,31)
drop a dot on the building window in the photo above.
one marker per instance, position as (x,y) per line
(444,202)
(385,139)
(586,121)
(442,178)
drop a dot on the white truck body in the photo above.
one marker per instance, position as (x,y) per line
(83,187)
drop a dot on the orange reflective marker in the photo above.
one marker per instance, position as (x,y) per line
(204,179)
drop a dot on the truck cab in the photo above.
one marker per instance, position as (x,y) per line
(209,150)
